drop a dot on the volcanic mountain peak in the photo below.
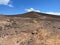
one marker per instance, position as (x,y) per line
(32,28)
(33,14)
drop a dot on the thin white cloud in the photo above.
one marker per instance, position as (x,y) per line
(53,13)
(10,5)
(31,9)
(6,2)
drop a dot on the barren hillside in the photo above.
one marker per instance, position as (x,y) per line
(30,28)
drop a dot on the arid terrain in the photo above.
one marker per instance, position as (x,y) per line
(30,28)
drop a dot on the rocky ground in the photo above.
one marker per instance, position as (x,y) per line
(30,29)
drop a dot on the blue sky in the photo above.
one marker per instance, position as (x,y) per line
(22,6)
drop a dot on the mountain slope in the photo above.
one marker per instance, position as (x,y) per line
(30,28)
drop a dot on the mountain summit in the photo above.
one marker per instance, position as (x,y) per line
(33,14)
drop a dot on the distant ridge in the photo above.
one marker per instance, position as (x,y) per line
(33,14)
